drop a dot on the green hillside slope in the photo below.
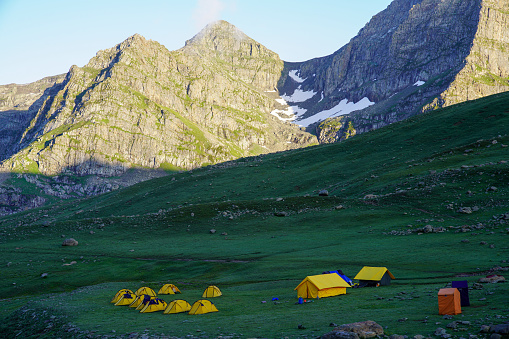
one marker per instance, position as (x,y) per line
(427,198)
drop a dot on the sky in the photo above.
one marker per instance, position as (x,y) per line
(40,38)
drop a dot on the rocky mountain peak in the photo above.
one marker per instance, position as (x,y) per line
(218,35)
(225,41)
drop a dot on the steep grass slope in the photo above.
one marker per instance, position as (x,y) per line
(444,172)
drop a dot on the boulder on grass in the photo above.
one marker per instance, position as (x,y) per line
(70,242)
(364,329)
(340,335)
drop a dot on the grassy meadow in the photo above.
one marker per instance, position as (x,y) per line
(272,229)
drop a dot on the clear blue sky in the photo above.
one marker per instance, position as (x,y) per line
(40,38)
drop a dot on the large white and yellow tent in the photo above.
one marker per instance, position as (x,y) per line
(374,276)
(321,286)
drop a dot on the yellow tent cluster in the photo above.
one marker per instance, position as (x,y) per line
(145,300)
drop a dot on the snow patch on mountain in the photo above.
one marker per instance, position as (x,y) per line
(419,83)
(294,74)
(342,108)
(299,96)
(288,114)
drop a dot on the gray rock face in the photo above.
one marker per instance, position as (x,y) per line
(138,104)
(18,105)
(415,56)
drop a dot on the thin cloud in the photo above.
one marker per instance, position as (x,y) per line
(207,11)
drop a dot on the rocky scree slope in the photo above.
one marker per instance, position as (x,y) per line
(140,105)
(414,56)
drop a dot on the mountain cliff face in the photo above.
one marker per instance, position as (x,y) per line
(414,56)
(18,104)
(140,105)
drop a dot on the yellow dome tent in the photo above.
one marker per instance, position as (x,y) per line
(119,295)
(154,305)
(126,299)
(202,306)
(211,292)
(177,306)
(169,289)
(139,300)
(321,286)
(144,302)
(145,290)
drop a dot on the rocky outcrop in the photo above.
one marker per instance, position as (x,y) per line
(138,104)
(486,69)
(414,56)
(18,105)
(13,200)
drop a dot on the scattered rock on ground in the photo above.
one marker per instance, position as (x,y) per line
(323,193)
(280,214)
(70,242)
(364,329)
(492,279)
(500,329)
(465,210)
(340,335)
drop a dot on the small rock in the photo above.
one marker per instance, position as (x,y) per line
(500,329)
(454,324)
(323,193)
(440,331)
(280,214)
(212,231)
(224,233)
(70,242)
(485,329)
(44,275)
(301,327)
(492,189)
(340,207)
(495,336)
(279,199)
(465,210)
(336,334)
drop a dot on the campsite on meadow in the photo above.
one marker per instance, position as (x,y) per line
(429,215)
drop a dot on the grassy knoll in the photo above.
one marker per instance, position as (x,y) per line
(272,230)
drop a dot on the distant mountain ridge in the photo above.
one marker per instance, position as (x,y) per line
(414,56)
(223,96)
(140,105)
